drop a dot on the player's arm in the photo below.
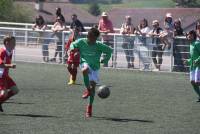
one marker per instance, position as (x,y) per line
(2,65)
(107,51)
(197,46)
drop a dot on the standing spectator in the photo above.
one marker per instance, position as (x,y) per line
(198,30)
(59,14)
(178,61)
(42,37)
(127,28)
(194,62)
(105,26)
(141,47)
(57,28)
(157,46)
(167,35)
(76,23)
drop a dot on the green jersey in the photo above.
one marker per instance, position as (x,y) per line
(91,53)
(194,55)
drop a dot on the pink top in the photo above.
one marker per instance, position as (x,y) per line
(107,27)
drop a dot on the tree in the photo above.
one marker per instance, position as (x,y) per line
(11,12)
(187,3)
(94,9)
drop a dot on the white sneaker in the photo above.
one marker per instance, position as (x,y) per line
(156,69)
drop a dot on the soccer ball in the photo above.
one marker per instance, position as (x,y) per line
(103,91)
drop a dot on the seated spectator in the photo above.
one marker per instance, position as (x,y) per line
(157,46)
(177,48)
(128,41)
(42,37)
(57,28)
(76,23)
(105,26)
(141,45)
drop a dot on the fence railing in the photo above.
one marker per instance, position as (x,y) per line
(34,46)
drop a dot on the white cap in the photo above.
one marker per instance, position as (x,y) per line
(155,22)
(169,15)
(104,14)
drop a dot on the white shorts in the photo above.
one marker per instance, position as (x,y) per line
(93,74)
(195,75)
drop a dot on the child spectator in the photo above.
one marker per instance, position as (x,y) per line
(127,28)
(41,25)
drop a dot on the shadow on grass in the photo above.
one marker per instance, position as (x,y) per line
(21,103)
(31,115)
(122,119)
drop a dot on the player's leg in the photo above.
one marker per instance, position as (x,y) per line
(74,72)
(69,68)
(85,71)
(197,83)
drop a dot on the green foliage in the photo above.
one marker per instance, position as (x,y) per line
(11,12)
(187,3)
(94,9)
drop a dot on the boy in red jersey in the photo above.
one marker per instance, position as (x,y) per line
(8,87)
(73,60)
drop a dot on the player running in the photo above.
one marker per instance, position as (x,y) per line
(8,87)
(90,52)
(73,59)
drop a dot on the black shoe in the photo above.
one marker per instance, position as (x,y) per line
(1,109)
(53,60)
(198,100)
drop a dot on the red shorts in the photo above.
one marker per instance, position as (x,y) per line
(74,58)
(6,83)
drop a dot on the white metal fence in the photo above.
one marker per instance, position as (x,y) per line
(33,45)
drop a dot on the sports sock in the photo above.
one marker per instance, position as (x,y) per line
(74,73)
(196,89)
(86,80)
(91,99)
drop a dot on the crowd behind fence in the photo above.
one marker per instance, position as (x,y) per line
(32,46)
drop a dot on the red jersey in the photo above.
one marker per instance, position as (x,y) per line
(74,55)
(5,58)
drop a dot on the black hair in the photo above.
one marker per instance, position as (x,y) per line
(192,32)
(94,31)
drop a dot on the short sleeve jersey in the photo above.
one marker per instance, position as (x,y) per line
(5,58)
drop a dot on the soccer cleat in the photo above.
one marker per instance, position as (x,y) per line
(71,82)
(1,109)
(198,100)
(88,111)
(86,94)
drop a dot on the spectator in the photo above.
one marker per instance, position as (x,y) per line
(127,28)
(57,28)
(42,37)
(141,46)
(76,23)
(167,35)
(178,60)
(59,14)
(198,30)
(105,26)
(157,46)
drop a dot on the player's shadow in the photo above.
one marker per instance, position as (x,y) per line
(31,115)
(122,119)
(20,103)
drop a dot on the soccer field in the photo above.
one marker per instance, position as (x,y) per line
(140,103)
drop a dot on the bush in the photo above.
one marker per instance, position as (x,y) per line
(94,9)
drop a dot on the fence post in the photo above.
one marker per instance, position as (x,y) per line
(63,47)
(114,52)
(14,55)
(26,36)
(171,55)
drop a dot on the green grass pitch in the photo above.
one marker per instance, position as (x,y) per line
(140,103)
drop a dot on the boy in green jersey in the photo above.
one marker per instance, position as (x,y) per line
(90,52)
(194,62)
